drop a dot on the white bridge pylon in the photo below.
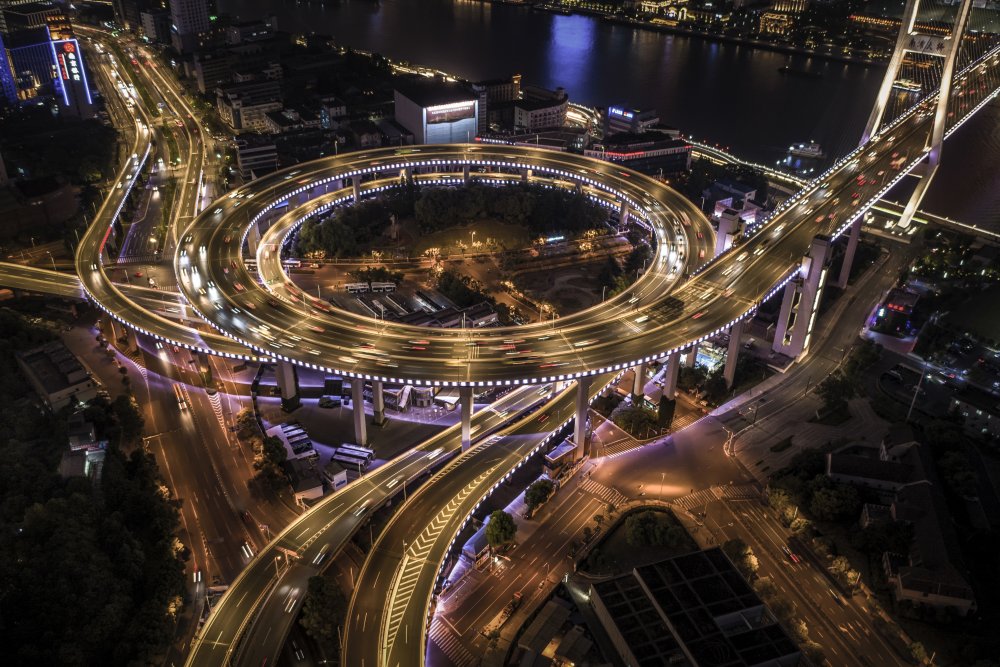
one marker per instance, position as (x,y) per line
(912,41)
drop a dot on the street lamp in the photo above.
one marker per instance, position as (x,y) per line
(51,258)
(276,570)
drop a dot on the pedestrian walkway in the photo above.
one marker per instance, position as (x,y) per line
(448,642)
(741,492)
(696,499)
(605,493)
(619,447)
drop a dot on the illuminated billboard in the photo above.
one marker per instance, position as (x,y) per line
(69,67)
(620,113)
(449,113)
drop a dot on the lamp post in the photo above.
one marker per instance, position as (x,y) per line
(52,259)
(276,570)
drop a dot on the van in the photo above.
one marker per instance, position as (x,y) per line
(749,344)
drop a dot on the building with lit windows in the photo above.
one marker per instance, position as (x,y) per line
(540,109)
(35,64)
(651,153)
(618,119)
(189,22)
(437,112)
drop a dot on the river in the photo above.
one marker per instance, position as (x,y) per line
(723,94)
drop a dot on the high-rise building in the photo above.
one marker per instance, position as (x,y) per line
(189,21)
(34,64)
(10,4)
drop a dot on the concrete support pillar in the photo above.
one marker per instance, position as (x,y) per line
(692,356)
(358,410)
(729,230)
(852,247)
(288,383)
(733,353)
(406,175)
(465,405)
(356,188)
(623,212)
(204,369)
(582,414)
(670,376)
(378,403)
(466,174)
(639,381)
(525,175)
(253,238)
(798,306)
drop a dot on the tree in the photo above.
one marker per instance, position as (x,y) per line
(918,652)
(323,611)
(635,420)
(501,529)
(832,503)
(268,463)
(538,493)
(835,391)
(129,418)
(653,529)
(665,412)
(743,557)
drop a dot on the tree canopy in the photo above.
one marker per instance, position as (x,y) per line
(501,529)
(538,493)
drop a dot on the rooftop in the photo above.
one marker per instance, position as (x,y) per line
(53,366)
(434,92)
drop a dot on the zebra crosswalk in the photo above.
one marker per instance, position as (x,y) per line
(618,448)
(449,644)
(741,492)
(696,499)
(605,493)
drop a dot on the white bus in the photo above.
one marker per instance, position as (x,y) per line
(356,288)
(292,263)
(351,462)
(355,450)
(383,287)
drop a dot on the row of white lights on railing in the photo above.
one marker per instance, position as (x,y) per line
(481,383)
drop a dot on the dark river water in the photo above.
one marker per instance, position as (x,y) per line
(723,94)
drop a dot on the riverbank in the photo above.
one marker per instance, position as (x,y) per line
(702,34)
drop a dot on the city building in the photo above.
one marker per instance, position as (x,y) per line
(693,609)
(244,105)
(56,375)
(255,156)
(437,112)
(335,475)
(305,481)
(493,92)
(540,109)
(979,410)
(286,120)
(41,62)
(620,119)
(479,315)
(36,15)
(901,471)
(651,153)
(189,23)
(156,25)
(251,31)
(128,13)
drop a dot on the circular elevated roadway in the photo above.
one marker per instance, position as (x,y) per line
(277,319)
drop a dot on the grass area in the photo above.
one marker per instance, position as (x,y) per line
(613,554)
(781,446)
(511,237)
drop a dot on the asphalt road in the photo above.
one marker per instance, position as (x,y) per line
(264,599)
(388,612)
(621,333)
